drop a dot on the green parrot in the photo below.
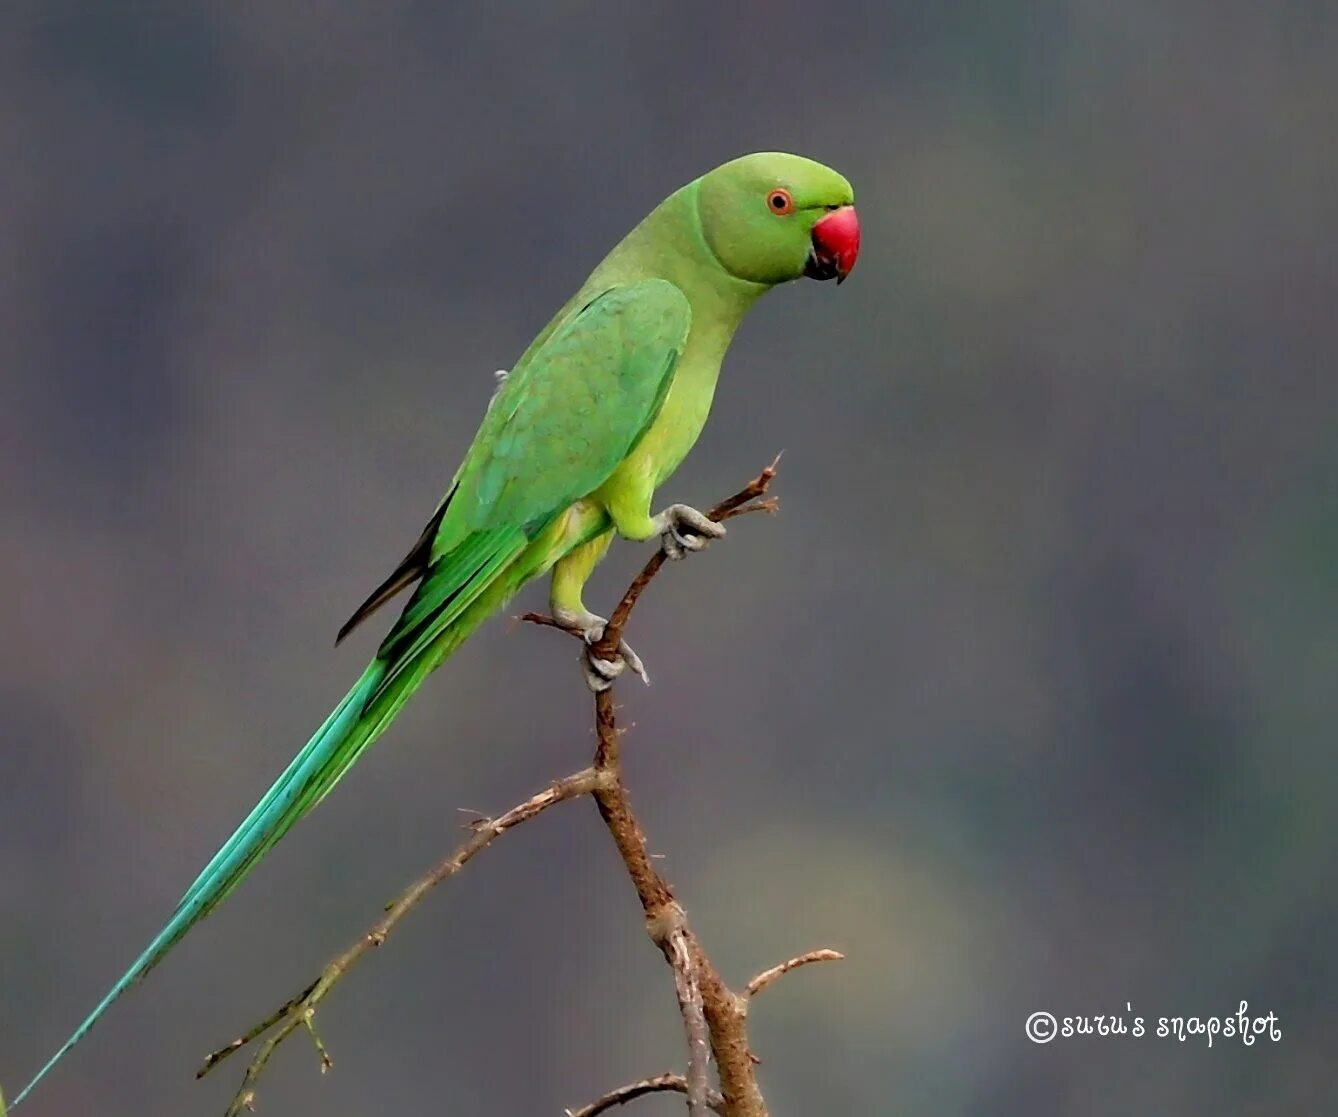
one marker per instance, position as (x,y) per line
(596,414)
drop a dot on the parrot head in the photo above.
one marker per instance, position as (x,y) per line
(772,217)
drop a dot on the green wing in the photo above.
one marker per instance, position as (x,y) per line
(561,423)
(571,411)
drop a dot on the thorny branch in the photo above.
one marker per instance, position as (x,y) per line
(714,1016)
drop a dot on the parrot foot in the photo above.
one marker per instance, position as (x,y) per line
(600,673)
(685,530)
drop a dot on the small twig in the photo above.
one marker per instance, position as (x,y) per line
(660,1084)
(766,977)
(258,1030)
(694,1021)
(309,1019)
(299,1011)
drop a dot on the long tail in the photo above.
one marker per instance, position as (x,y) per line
(354,724)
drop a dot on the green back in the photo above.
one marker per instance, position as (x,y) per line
(570,412)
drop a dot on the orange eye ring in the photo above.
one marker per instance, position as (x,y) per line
(780,202)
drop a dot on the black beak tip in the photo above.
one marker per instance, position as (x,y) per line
(822,269)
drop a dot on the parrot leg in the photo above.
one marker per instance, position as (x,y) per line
(681,529)
(569,576)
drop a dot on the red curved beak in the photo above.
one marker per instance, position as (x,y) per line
(835,245)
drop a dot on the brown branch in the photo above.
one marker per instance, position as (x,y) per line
(766,977)
(725,1012)
(660,1084)
(300,1010)
(714,1016)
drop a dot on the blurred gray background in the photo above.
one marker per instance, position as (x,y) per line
(1027,700)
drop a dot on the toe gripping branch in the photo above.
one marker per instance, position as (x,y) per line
(751,498)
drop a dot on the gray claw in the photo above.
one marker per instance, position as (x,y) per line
(601,673)
(686,531)
(671,547)
(633,661)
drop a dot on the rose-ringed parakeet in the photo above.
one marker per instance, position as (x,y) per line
(593,417)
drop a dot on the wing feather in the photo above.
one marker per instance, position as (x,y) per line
(565,418)
(570,413)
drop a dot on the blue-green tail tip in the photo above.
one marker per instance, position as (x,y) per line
(315,769)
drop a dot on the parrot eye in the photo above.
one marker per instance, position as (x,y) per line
(780,203)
